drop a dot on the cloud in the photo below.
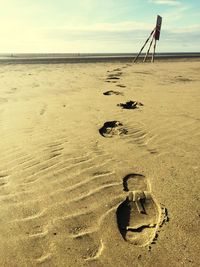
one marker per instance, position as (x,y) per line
(176,14)
(176,10)
(166,2)
(124,37)
(105,27)
(127,31)
(127,36)
(187,30)
(25,28)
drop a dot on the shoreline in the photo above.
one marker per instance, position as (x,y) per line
(97,59)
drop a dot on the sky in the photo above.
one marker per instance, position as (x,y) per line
(97,26)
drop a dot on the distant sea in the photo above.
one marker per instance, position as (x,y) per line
(45,58)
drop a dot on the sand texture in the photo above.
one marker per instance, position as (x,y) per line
(99,164)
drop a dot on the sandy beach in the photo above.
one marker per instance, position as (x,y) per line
(100,164)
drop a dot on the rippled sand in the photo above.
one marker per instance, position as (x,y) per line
(89,180)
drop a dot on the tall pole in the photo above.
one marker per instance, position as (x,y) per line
(154,49)
(144,46)
(148,49)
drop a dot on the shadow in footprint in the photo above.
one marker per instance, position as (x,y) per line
(123,216)
(113,81)
(117,74)
(182,79)
(118,69)
(121,85)
(111,128)
(130,105)
(114,76)
(113,93)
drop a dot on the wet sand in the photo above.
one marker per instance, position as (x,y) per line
(100,164)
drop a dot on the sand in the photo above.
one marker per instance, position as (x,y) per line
(85,181)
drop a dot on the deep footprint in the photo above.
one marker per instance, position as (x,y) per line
(118,69)
(139,217)
(117,74)
(130,105)
(112,128)
(121,85)
(114,76)
(112,93)
(108,81)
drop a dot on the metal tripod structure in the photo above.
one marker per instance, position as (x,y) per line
(155,35)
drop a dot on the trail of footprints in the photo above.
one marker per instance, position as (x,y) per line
(116,128)
(139,217)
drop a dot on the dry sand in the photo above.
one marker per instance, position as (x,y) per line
(70,156)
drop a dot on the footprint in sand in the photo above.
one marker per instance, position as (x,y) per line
(114,76)
(3,179)
(12,90)
(108,81)
(112,128)
(139,217)
(182,79)
(3,100)
(130,105)
(121,85)
(111,92)
(118,69)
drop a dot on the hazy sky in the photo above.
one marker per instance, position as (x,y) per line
(97,25)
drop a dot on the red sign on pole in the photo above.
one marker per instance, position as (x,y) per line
(158,27)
